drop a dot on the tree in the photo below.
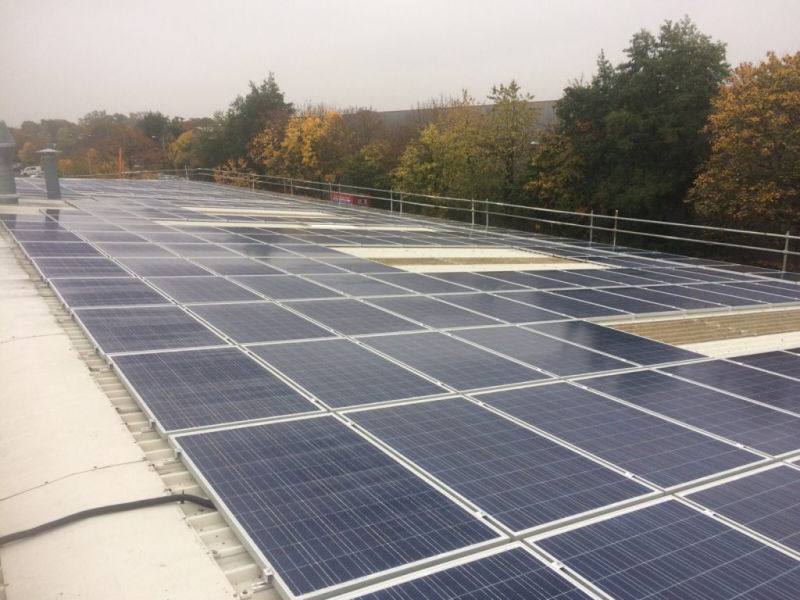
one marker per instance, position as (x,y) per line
(753,174)
(633,138)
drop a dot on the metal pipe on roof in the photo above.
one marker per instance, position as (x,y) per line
(50,170)
(8,187)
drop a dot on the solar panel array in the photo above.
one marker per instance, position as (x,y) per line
(377,433)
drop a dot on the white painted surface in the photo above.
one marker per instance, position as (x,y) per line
(747,345)
(65,449)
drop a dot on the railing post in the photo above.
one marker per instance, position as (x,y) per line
(486,204)
(472,202)
(401,203)
(614,240)
(391,201)
(591,225)
(785,253)
(291,187)
(330,191)
(253,182)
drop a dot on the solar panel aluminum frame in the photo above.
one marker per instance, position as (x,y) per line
(167,434)
(354,585)
(516,534)
(565,573)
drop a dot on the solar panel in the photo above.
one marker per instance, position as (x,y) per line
(705,295)
(285,287)
(356,265)
(44,235)
(79,267)
(767,502)
(200,250)
(352,317)
(653,294)
(199,388)
(540,351)
(116,291)
(202,289)
(501,308)
(511,473)
(162,267)
(511,575)
(354,284)
(744,381)
(342,373)
(419,283)
(453,362)
(745,422)
(783,363)
(58,249)
(562,304)
(753,296)
(672,551)
(323,505)
(147,328)
(614,301)
(477,281)
(133,250)
(301,266)
(236,266)
(258,322)
(432,312)
(657,450)
(618,343)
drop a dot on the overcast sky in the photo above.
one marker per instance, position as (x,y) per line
(62,59)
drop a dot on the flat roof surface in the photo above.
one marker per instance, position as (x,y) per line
(367,428)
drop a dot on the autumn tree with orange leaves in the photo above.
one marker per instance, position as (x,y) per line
(752,178)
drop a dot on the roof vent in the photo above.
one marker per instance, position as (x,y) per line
(8,187)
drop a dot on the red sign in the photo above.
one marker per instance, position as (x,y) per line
(350,199)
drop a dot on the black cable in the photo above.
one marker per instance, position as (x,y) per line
(104,510)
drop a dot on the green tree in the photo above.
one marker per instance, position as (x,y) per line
(753,174)
(633,137)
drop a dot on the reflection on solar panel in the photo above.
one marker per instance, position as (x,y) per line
(198,388)
(162,267)
(44,235)
(745,422)
(352,317)
(258,322)
(513,474)
(453,362)
(342,373)
(202,289)
(540,351)
(138,329)
(618,343)
(562,305)
(420,283)
(324,505)
(477,281)
(236,266)
(672,551)
(744,381)
(432,312)
(767,502)
(614,301)
(511,575)
(106,292)
(657,450)
(285,287)
(144,250)
(354,284)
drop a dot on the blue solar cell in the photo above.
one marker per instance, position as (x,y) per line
(58,249)
(352,317)
(133,250)
(783,363)
(705,295)
(301,266)
(342,373)
(672,551)
(79,267)
(513,474)
(117,291)
(541,351)
(198,388)
(200,250)
(561,304)
(354,284)
(285,287)
(432,312)
(653,448)
(258,322)
(501,308)
(355,265)
(202,289)
(653,294)
(510,575)
(148,328)
(744,381)
(162,267)
(767,502)
(618,343)
(325,506)
(745,422)
(453,362)
(44,235)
